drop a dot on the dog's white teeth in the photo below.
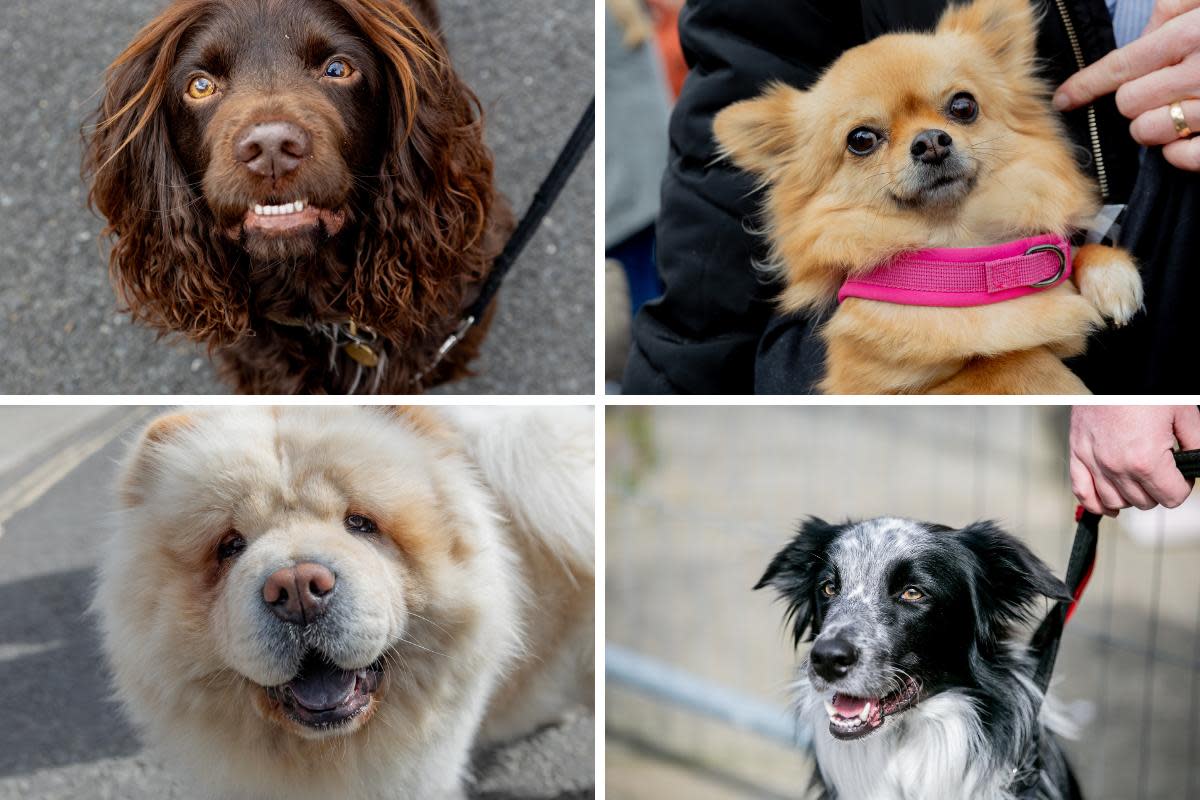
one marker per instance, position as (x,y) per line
(865,713)
(276,211)
(830,709)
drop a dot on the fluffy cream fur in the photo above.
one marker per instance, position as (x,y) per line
(477,592)
(831,214)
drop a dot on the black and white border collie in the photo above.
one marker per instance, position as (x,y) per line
(913,689)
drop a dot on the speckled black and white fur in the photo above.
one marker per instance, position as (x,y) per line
(919,619)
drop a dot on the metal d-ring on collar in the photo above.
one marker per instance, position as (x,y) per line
(464,326)
(1062,264)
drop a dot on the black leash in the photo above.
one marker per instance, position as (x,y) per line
(568,159)
(1044,644)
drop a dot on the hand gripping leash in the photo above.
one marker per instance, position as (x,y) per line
(1044,644)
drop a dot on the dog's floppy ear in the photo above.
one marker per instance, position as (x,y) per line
(1010,579)
(1007,30)
(762,134)
(793,573)
(167,263)
(423,238)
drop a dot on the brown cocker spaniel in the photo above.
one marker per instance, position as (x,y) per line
(303,186)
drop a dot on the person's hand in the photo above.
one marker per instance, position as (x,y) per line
(1122,456)
(1149,74)
(1168,9)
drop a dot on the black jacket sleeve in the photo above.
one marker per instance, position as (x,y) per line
(702,334)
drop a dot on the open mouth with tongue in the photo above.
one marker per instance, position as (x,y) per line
(852,717)
(323,695)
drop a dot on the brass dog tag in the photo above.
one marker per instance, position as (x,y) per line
(362,354)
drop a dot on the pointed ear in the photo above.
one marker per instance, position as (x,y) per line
(793,573)
(1010,580)
(1007,29)
(141,460)
(760,135)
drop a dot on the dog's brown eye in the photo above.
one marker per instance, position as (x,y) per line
(232,544)
(201,87)
(828,589)
(357,523)
(912,594)
(963,107)
(862,141)
(337,69)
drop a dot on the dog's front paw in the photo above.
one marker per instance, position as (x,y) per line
(1109,280)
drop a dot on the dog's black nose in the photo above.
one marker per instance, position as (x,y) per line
(299,595)
(272,149)
(832,658)
(931,147)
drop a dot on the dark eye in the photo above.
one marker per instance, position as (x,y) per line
(201,87)
(862,141)
(963,107)
(912,594)
(338,69)
(231,545)
(357,523)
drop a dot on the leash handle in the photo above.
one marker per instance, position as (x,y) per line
(1188,462)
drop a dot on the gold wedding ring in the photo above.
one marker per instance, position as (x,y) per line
(1181,126)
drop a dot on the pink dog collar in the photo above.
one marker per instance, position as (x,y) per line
(966,276)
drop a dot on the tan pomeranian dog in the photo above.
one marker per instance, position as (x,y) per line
(918,141)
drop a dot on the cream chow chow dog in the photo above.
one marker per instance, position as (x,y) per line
(343,602)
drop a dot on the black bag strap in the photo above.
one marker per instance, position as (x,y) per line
(1044,644)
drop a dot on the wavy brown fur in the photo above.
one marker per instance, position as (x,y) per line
(423,219)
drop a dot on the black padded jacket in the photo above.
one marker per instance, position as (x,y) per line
(714,330)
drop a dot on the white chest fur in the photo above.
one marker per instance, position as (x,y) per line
(931,752)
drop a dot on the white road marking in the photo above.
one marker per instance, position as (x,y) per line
(45,475)
(11,652)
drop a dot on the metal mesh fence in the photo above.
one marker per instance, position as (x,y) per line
(698,499)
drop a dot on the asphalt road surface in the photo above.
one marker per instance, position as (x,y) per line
(530,62)
(61,738)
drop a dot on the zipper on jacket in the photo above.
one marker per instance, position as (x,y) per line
(1093,129)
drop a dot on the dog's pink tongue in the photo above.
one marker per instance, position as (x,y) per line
(321,686)
(848,706)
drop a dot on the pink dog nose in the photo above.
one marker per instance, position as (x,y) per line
(299,595)
(273,149)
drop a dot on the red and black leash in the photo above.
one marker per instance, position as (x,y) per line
(1044,644)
